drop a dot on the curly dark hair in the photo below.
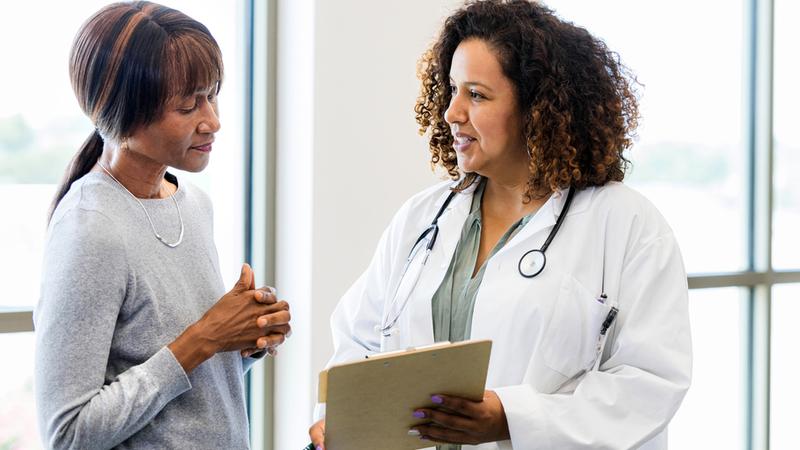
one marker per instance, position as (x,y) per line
(578,99)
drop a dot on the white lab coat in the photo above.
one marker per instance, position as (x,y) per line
(545,330)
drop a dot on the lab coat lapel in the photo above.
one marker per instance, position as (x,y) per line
(450,224)
(535,232)
(544,219)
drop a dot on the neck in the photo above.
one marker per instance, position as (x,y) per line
(505,192)
(142,177)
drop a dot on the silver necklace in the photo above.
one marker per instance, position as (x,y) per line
(158,236)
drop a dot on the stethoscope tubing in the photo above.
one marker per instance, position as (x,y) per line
(541,251)
(433,230)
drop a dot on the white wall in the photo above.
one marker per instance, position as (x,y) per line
(348,155)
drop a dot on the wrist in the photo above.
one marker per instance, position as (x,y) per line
(191,348)
(198,339)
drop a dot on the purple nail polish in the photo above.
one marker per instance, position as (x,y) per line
(437,399)
(419,414)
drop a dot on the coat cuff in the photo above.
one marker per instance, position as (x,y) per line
(527,418)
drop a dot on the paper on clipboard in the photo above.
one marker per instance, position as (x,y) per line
(369,403)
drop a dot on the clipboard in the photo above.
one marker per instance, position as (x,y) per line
(369,403)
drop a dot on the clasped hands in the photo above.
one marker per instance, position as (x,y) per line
(245,319)
(274,320)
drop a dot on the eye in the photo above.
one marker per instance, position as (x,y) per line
(475,95)
(453,89)
(188,109)
(212,97)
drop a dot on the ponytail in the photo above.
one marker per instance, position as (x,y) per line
(81,164)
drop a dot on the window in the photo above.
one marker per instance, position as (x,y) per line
(41,127)
(689,159)
(715,353)
(784,388)
(705,158)
(786,141)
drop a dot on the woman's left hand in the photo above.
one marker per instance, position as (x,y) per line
(268,298)
(460,421)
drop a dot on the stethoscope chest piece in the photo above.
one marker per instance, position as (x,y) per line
(532,263)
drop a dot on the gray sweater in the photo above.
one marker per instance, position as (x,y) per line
(112,298)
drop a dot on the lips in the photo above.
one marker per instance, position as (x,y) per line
(461,141)
(203,147)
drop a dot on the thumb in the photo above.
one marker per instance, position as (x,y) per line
(245,278)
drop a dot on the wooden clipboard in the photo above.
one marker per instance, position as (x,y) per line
(369,403)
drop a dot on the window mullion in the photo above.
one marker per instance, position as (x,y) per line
(760,149)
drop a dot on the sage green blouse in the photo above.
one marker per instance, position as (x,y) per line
(454,301)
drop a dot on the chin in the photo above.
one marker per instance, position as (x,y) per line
(467,166)
(194,166)
(198,168)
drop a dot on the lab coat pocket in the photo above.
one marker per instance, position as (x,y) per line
(571,341)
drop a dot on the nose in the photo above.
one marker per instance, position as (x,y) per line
(209,121)
(456,112)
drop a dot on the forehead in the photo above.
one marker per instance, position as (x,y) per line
(475,61)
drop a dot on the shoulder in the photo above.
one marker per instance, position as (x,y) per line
(196,206)
(193,192)
(626,211)
(86,211)
(194,195)
(621,197)
(427,200)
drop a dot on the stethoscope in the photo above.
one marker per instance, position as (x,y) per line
(530,264)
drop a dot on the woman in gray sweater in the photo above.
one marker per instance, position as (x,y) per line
(138,344)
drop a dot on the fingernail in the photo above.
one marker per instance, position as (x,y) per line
(289,334)
(413,432)
(437,399)
(258,295)
(419,414)
(319,447)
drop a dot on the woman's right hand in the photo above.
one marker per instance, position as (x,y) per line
(317,434)
(239,320)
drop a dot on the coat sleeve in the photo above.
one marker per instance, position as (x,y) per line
(85,281)
(641,384)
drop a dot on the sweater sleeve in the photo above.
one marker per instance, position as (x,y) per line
(638,387)
(84,284)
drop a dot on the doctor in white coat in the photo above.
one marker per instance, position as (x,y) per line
(537,245)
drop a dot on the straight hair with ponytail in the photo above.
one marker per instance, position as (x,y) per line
(127,61)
